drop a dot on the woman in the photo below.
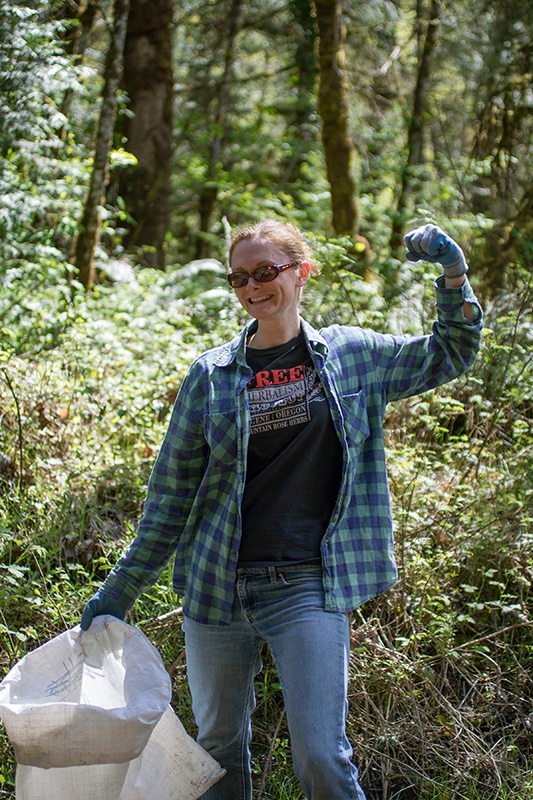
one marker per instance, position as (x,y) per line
(270,491)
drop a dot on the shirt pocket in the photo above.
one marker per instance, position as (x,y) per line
(354,411)
(221,436)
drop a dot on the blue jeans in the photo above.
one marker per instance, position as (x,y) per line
(283,607)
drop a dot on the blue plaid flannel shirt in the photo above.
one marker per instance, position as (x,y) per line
(192,509)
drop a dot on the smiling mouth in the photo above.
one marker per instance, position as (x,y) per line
(260,299)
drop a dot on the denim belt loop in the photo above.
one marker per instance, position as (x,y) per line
(272,574)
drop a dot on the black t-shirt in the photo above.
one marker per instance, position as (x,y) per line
(294,458)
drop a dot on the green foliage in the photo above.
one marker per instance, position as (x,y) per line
(440,683)
(442,668)
(41,168)
(340,294)
(445,658)
(247,129)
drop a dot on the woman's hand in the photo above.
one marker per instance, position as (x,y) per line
(430,243)
(99,605)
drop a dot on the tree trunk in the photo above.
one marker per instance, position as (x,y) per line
(76,39)
(209,192)
(90,222)
(507,244)
(415,135)
(300,124)
(339,151)
(503,131)
(148,82)
(84,13)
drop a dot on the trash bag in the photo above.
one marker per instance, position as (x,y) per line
(90,697)
(88,716)
(172,766)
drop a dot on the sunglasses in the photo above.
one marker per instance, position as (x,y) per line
(262,275)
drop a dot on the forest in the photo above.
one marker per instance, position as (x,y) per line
(135,136)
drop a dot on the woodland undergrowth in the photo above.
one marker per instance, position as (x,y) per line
(441,684)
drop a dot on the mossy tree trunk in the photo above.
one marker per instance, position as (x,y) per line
(90,222)
(301,118)
(83,14)
(148,82)
(332,106)
(76,38)
(208,195)
(415,134)
(503,189)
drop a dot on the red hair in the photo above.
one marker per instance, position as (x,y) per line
(283,234)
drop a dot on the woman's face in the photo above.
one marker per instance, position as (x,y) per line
(276,300)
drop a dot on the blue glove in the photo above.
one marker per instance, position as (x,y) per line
(430,243)
(99,605)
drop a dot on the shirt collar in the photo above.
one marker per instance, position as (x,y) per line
(236,349)
(315,340)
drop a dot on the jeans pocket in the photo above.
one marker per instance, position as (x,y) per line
(301,576)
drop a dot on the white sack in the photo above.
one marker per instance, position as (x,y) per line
(88,716)
(172,766)
(85,697)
